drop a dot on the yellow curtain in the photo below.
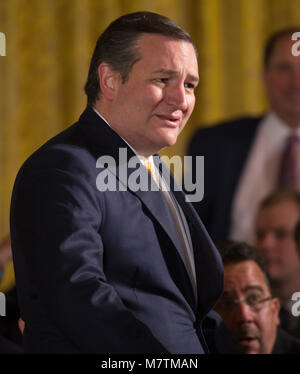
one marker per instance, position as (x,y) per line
(49,45)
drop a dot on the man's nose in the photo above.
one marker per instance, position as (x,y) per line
(243,312)
(266,243)
(177,97)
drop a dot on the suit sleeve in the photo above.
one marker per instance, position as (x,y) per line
(57,218)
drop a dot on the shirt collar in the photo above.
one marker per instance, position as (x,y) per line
(276,127)
(141,158)
(273,131)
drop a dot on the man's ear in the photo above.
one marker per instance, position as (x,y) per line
(265,76)
(109,80)
(276,307)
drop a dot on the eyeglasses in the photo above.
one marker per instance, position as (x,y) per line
(254,302)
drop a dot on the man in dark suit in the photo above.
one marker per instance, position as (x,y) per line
(247,307)
(242,157)
(101,265)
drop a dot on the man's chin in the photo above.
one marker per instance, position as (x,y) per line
(167,142)
(250,346)
(250,351)
(167,137)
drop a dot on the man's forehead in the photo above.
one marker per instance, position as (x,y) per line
(283,49)
(146,42)
(244,276)
(160,54)
(284,213)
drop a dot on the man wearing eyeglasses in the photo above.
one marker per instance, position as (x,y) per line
(247,307)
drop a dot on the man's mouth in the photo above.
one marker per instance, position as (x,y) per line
(247,340)
(170,120)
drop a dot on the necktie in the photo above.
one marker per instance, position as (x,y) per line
(180,225)
(288,176)
(151,170)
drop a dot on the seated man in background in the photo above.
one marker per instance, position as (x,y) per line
(276,220)
(247,158)
(247,306)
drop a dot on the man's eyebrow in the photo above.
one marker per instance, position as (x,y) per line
(170,72)
(253,288)
(245,289)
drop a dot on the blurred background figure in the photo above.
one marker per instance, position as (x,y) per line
(10,333)
(276,220)
(5,254)
(247,158)
(247,306)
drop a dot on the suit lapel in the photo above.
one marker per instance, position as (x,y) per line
(152,199)
(208,262)
(158,207)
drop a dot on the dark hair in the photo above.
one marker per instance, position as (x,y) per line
(117,45)
(280,195)
(234,252)
(274,38)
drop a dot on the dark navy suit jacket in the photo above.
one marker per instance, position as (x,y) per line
(103,272)
(225,148)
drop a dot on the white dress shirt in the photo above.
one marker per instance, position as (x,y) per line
(259,175)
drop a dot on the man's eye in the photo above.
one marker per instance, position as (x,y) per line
(162,80)
(190,86)
(260,235)
(282,234)
(284,67)
(253,299)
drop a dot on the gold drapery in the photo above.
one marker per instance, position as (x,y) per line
(49,45)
